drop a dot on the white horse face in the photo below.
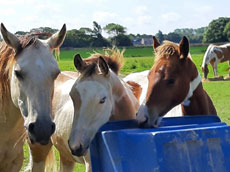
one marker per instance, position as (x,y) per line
(92,100)
(32,82)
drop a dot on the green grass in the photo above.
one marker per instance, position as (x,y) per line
(141,58)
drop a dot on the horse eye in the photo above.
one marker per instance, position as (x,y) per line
(170,81)
(18,74)
(102,100)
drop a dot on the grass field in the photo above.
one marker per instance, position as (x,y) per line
(139,59)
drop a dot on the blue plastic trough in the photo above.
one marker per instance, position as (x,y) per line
(180,144)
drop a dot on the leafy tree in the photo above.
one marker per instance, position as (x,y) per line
(227,31)
(21,33)
(97,30)
(77,38)
(114,29)
(98,40)
(160,36)
(86,30)
(215,31)
(43,30)
(194,35)
(117,33)
(172,36)
(122,40)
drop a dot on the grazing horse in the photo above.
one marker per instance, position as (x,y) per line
(214,55)
(27,73)
(174,80)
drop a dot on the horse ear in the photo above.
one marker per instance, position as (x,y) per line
(56,40)
(103,66)
(10,39)
(184,47)
(79,64)
(156,43)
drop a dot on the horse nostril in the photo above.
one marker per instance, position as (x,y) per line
(31,127)
(53,126)
(78,151)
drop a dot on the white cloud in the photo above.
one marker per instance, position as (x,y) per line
(204,9)
(170,17)
(105,17)
(8,12)
(144,20)
(141,10)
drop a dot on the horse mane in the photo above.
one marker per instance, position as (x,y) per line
(8,58)
(114,58)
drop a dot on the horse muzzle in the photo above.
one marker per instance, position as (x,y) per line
(40,133)
(78,151)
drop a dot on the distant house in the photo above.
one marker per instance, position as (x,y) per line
(136,42)
(147,41)
(143,41)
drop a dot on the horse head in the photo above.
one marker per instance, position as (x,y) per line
(92,100)
(32,72)
(169,80)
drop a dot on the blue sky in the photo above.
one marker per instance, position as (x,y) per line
(138,16)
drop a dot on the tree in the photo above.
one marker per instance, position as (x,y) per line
(86,30)
(114,29)
(122,40)
(21,33)
(43,30)
(98,39)
(174,37)
(77,38)
(215,30)
(97,30)
(227,31)
(160,36)
(117,32)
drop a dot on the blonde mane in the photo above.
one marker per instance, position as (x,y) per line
(114,58)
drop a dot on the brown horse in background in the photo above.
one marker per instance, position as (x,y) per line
(174,80)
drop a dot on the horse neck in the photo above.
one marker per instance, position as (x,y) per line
(125,103)
(10,117)
(206,58)
(197,101)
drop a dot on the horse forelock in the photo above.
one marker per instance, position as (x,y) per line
(166,50)
(90,70)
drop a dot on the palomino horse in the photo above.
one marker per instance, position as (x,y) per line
(174,80)
(27,73)
(214,55)
(96,97)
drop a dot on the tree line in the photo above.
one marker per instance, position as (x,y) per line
(218,30)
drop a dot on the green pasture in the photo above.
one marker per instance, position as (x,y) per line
(141,58)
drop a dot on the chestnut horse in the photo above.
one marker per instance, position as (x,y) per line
(214,55)
(84,101)
(174,80)
(27,73)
